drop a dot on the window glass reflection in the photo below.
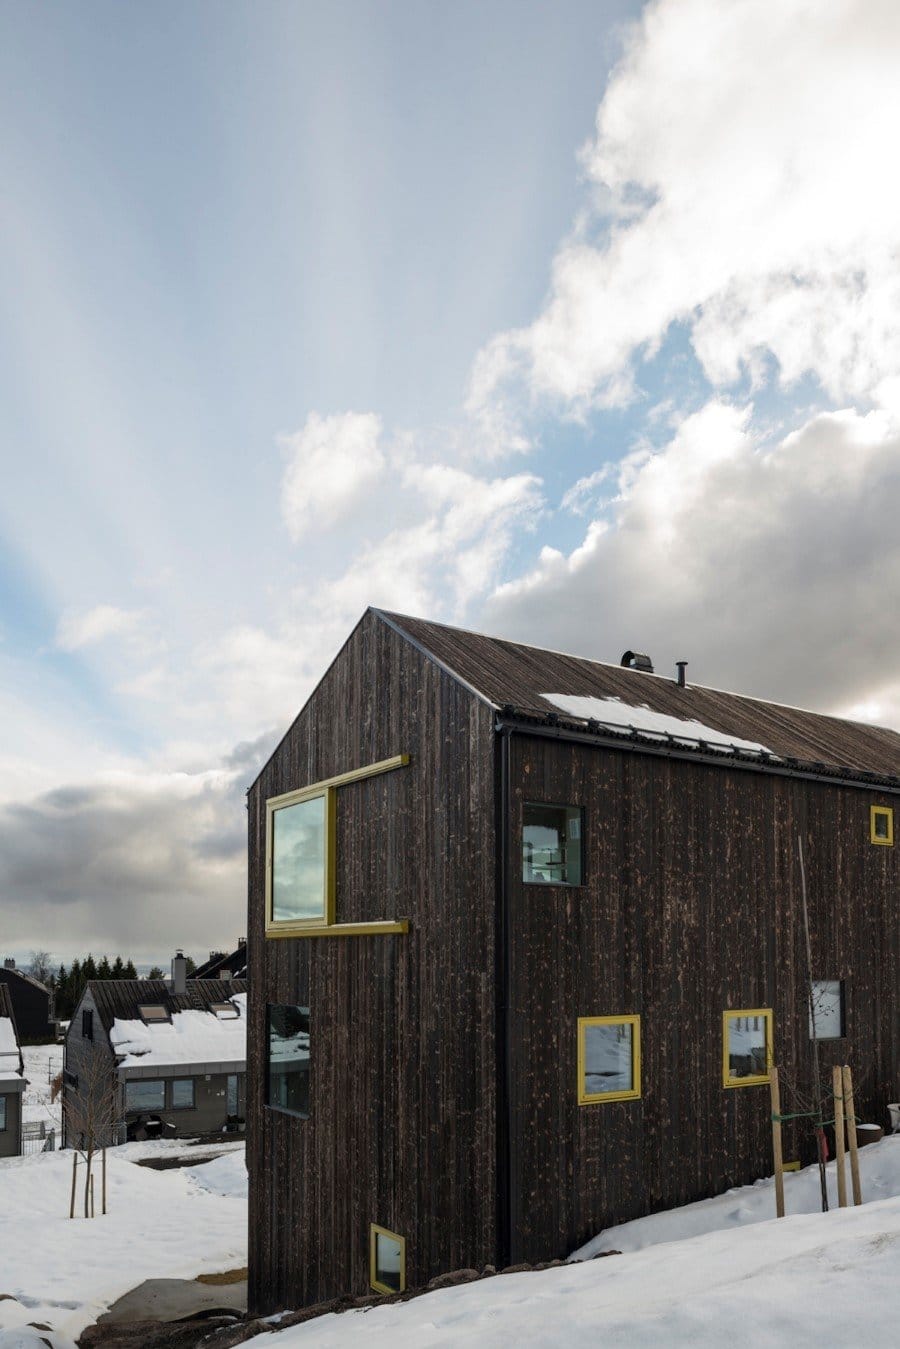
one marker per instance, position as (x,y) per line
(298,861)
(288,1060)
(551,844)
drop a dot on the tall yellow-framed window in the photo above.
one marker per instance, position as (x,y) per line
(746,1046)
(881,826)
(301,843)
(609,1059)
(387,1260)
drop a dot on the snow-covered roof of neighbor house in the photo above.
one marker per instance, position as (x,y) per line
(550,688)
(11,1065)
(121,998)
(191,1037)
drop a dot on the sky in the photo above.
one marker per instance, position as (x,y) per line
(576,323)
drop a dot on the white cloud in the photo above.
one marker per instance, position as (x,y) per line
(742,184)
(775,571)
(76,630)
(331,464)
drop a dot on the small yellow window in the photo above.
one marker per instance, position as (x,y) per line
(746,1046)
(387,1260)
(881,823)
(609,1059)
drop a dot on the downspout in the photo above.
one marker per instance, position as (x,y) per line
(504,1015)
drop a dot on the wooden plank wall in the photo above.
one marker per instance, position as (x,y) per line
(690,906)
(402,1128)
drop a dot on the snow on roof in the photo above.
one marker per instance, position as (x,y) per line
(190,1037)
(8,1043)
(612,712)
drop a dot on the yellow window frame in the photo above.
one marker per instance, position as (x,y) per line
(326,925)
(874,813)
(759,1078)
(599,1098)
(374,1233)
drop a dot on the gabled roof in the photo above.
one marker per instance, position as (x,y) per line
(11,1061)
(26,979)
(515,680)
(234,962)
(121,998)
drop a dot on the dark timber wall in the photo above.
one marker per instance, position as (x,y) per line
(402,1126)
(691,906)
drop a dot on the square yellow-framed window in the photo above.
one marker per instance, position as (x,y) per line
(746,1046)
(881,826)
(387,1260)
(300,855)
(609,1059)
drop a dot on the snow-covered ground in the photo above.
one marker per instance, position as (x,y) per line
(804,1281)
(42,1063)
(161,1224)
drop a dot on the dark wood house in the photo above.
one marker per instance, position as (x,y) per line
(224,964)
(148,1058)
(33,1005)
(524,937)
(12,1079)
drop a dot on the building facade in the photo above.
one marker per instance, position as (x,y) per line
(526,934)
(12,1079)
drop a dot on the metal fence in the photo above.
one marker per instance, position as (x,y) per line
(37,1137)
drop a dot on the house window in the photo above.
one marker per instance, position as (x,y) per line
(300,860)
(231,1092)
(551,844)
(145,1095)
(746,1046)
(183,1093)
(387,1260)
(826,1018)
(609,1058)
(2,1114)
(152,1013)
(288,1060)
(87,1024)
(881,825)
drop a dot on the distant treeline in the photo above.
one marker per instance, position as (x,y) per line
(68,984)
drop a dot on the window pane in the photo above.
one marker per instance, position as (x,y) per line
(232,1094)
(183,1093)
(298,861)
(826,1009)
(551,844)
(2,1113)
(288,1074)
(747,1046)
(881,821)
(145,1095)
(388,1262)
(608,1058)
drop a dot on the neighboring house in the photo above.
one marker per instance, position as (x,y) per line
(151,1057)
(12,1079)
(224,964)
(525,934)
(32,1002)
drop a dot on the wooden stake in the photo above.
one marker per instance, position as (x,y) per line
(775,1093)
(74,1170)
(850,1113)
(817,1081)
(838,1088)
(104,1181)
(92,1197)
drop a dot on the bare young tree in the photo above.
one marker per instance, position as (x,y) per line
(91,1106)
(40,967)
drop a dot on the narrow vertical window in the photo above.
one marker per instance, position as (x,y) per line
(746,1046)
(287,1061)
(551,844)
(826,1018)
(881,825)
(87,1024)
(301,876)
(231,1105)
(2,1114)
(387,1260)
(609,1058)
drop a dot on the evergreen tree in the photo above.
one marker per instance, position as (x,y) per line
(130,971)
(104,970)
(118,968)
(89,970)
(155,973)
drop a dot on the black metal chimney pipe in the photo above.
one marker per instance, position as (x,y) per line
(682,666)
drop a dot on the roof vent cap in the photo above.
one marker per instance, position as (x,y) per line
(637,660)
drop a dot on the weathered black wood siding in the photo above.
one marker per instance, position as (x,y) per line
(402,1128)
(691,905)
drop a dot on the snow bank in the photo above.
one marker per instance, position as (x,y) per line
(191,1037)
(226,1175)
(805,1281)
(621,716)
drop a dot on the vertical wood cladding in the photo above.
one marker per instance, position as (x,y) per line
(401,1129)
(690,906)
